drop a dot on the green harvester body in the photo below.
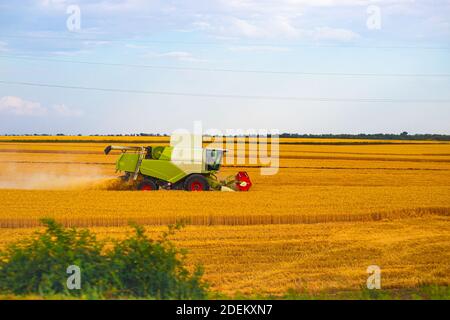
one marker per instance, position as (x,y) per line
(168,167)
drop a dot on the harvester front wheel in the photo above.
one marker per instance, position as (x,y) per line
(147,185)
(196,182)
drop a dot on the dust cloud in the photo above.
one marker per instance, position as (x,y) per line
(54,176)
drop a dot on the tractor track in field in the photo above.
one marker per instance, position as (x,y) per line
(284,151)
(314,143)
(289,157)
(50,151)
(60,162)
(343,168)
(231,166)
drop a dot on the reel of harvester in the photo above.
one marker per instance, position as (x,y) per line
(239,182)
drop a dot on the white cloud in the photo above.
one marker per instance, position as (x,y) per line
(251,19)
(176,55)
(277,27)
(338,20)
(65,111)
(258,49)
(70,53)
(3,46)
(108,7)
(286,5)
(326,33)
(135,46)
(147,52)
(20,107)
(245,28)
(259,27)
(171,6)
(47,3)
(179,55)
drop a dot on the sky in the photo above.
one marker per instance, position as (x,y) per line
(306,66)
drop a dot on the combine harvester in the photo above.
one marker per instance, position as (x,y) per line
(184,165)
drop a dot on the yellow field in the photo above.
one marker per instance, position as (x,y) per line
(330,211)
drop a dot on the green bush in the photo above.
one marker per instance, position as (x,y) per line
(135,267)
(143,267)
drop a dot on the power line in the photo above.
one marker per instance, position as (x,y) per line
(226,96)
(240,43)
(275,72)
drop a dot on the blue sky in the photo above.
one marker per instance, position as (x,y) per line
(328,39)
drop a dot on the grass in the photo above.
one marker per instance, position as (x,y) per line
(424,292)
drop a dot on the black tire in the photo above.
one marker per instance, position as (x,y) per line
(147,185)
(196,182)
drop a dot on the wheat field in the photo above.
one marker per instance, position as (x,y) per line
(334,208)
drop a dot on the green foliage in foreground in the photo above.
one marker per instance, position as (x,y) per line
(135,267)
(425,292)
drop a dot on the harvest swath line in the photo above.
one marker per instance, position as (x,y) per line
(369,157)
(241,166)
(60,162)
(339,168)
(233,220)
(350,143)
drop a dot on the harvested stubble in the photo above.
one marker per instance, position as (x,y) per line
(331,211)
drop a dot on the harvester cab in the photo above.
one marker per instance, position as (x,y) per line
(184,165)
